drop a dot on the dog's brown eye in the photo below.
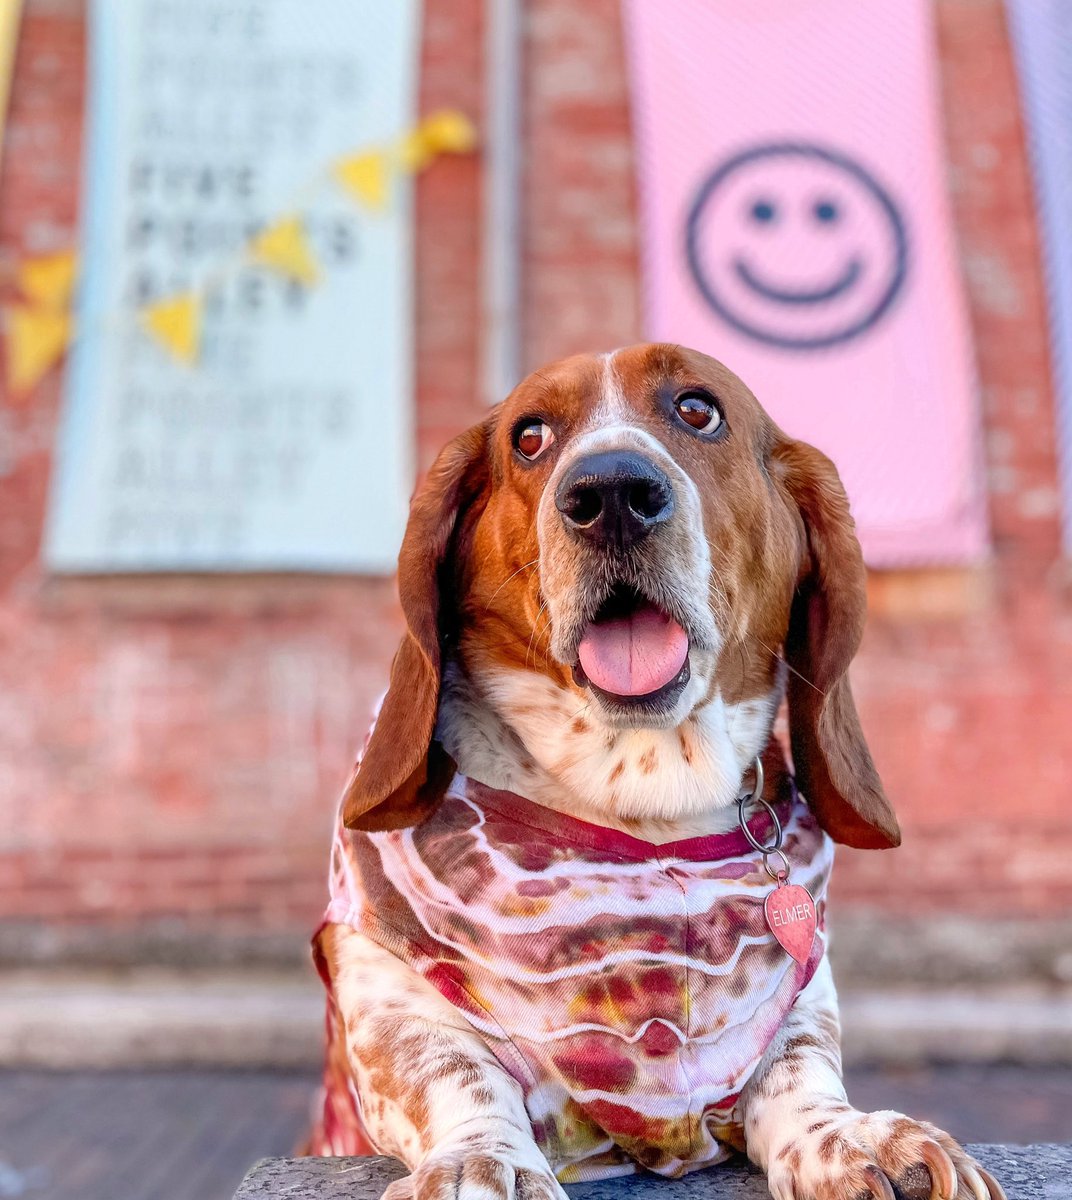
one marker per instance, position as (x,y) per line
(699,411)
(532,438)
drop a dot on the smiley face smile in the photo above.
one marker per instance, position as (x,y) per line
(783,296)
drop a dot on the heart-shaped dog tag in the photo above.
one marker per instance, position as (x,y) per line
(790,913)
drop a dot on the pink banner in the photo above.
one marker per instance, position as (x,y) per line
(796,226)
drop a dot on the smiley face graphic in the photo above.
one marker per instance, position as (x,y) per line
(796,245)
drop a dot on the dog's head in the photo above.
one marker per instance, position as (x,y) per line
(625,544)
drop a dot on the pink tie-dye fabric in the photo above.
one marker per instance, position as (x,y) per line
(630,988)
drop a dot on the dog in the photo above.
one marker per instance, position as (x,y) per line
(548,952)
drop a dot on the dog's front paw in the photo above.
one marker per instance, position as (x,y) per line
(841,1154)
(483,1160)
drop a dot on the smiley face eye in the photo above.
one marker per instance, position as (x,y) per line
(764,211)
(826,211)
(532,438)
(699,411)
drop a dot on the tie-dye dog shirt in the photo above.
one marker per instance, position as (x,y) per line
(630,988)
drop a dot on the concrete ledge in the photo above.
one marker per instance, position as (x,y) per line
(170,943)
(156,1018)
(259,1018)
(1027,1025)
(1026,1173)
(869,948)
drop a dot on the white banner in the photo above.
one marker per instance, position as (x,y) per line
(287,444)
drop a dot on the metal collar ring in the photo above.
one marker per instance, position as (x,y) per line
(756,796)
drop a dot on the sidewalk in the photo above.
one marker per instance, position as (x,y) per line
(258,1018)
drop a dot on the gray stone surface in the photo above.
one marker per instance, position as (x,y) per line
(1026,1024)
(872,949)
(869,949)
(258,1018)
(1026,1173)
(157,1017)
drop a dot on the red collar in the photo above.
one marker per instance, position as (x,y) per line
(561,826)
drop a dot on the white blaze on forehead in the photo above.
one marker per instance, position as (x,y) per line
(612,404)
(608,426)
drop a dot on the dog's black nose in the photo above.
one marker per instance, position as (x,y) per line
(614,498)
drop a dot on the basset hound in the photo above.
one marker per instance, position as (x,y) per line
(550,951)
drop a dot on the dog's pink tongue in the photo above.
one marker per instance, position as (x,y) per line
(634,655)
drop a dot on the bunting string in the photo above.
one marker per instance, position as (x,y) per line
(39,329)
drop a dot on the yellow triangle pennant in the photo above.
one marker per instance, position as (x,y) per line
(49,280)
(285,248)
(365,177)
(448,132)
(443,132)
(36,340)
(176,324)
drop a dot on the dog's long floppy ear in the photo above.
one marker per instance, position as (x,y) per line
(402,775)
(832,761)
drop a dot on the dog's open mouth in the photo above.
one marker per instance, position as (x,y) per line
(631,651)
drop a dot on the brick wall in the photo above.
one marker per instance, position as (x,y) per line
(970,708)
(170,749)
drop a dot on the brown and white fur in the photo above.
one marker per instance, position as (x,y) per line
(761,567)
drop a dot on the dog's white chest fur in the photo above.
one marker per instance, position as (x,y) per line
(555,750)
